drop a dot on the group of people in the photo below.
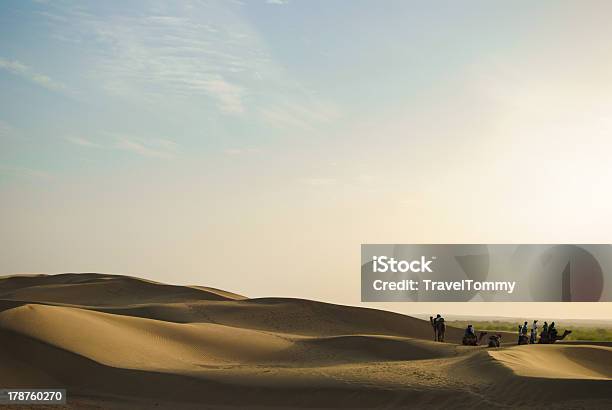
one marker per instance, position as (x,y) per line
(526,335)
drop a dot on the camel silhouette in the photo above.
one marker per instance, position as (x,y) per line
(548,338)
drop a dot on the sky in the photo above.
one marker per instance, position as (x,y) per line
(254,145)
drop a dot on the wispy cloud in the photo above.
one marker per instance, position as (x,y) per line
(156,148)
(228,95)
(146,147)
(188,53)
(17,68)
(84,142)
(168,55)
(180,53)
(302,115)
(26,172)
(5,129)
(277,2)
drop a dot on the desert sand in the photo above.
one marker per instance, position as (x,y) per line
(122,342)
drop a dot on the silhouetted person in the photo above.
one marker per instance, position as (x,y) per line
(438,326)
(545,330)
(523,329)
(534,332)
(552,331)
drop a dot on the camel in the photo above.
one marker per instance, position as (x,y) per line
(438,327)
(494,340)
(548,338)
(472,340)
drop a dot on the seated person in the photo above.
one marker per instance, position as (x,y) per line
(494,340)
(469,332)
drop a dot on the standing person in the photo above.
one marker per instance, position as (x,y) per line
(523,339)
(439,327)
(545,330)
(434,325)
(552,331)
(534,332)
(432,321)
(524,329)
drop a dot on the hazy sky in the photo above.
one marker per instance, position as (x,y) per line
(254,145)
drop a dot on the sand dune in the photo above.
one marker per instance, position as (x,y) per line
(558,361)
(102,290)
(123,342)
